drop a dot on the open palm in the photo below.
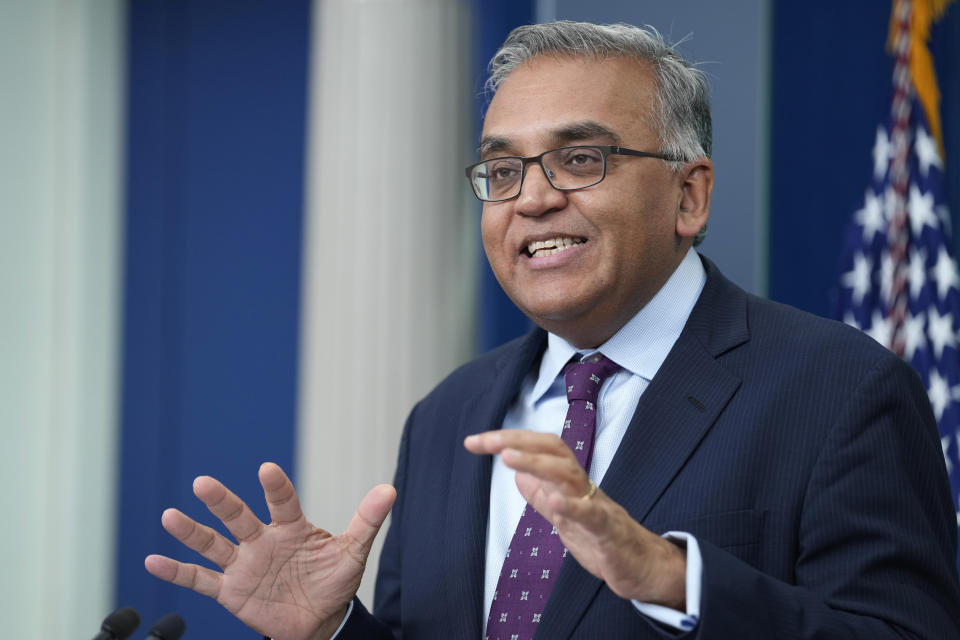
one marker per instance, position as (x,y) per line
(288,580)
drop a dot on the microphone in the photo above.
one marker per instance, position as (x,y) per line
(169,627)
(119,624)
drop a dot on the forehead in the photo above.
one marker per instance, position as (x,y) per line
(547,97)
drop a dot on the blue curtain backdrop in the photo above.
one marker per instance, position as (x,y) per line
(216,130)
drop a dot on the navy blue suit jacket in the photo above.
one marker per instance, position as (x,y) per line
(802,455)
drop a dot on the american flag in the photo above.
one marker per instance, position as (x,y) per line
(899,281)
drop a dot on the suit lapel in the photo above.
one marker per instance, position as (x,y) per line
(469,496)
(682,402)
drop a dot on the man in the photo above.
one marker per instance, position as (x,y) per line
(791,463)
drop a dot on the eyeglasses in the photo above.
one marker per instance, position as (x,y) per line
(567,169)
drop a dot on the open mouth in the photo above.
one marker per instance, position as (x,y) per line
(543,248)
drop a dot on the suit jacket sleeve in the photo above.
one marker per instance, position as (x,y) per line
(877,534)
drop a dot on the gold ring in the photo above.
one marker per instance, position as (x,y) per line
(592,492)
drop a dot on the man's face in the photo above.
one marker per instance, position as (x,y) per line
(610,247)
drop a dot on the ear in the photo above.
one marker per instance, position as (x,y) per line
(694,208)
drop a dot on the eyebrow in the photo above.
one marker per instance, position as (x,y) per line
(492,144)
(588,130)
(574,132)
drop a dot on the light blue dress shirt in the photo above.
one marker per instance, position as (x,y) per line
(639,347)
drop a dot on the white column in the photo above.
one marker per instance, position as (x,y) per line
(391,238)
(60,121)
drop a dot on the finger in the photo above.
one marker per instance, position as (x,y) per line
(549,499)
(191,576)
(202,539)
(368,519)
(494,442)
(231,510)
(561,470)
(282,500)
(589,515)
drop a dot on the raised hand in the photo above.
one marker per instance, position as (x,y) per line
(288,580)
(634,562)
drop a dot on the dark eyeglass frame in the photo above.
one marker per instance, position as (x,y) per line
(605,150)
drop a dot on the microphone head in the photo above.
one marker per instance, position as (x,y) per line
(169,627)
(121,623)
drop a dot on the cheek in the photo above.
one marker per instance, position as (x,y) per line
(487,237)
(493,232)
(493,249)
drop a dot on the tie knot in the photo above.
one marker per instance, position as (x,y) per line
(584,379)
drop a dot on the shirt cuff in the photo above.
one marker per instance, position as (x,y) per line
(681,621)
(343,622)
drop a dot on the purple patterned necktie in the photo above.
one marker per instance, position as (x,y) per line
(536,552)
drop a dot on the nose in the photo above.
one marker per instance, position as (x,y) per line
(537,195)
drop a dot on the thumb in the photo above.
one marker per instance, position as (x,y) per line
(369,518)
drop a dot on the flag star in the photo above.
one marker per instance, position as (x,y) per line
(939,394)
(921,211)
(859,278)
(881,153)
(871,216)
(945,273)
(881,329)
(913,335)
(944,445)
(940,331)
(886,277)
(927,153)
(916,271)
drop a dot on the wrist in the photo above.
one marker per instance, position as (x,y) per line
(331,625)
(667,585)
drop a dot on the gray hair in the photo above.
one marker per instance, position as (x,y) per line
(683,116)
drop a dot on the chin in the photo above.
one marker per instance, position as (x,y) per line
(555,317)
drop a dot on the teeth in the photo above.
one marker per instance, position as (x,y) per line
(542,248)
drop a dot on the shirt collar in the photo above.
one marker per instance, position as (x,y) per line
(642,344)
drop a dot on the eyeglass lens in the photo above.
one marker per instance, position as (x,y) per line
(566,168)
